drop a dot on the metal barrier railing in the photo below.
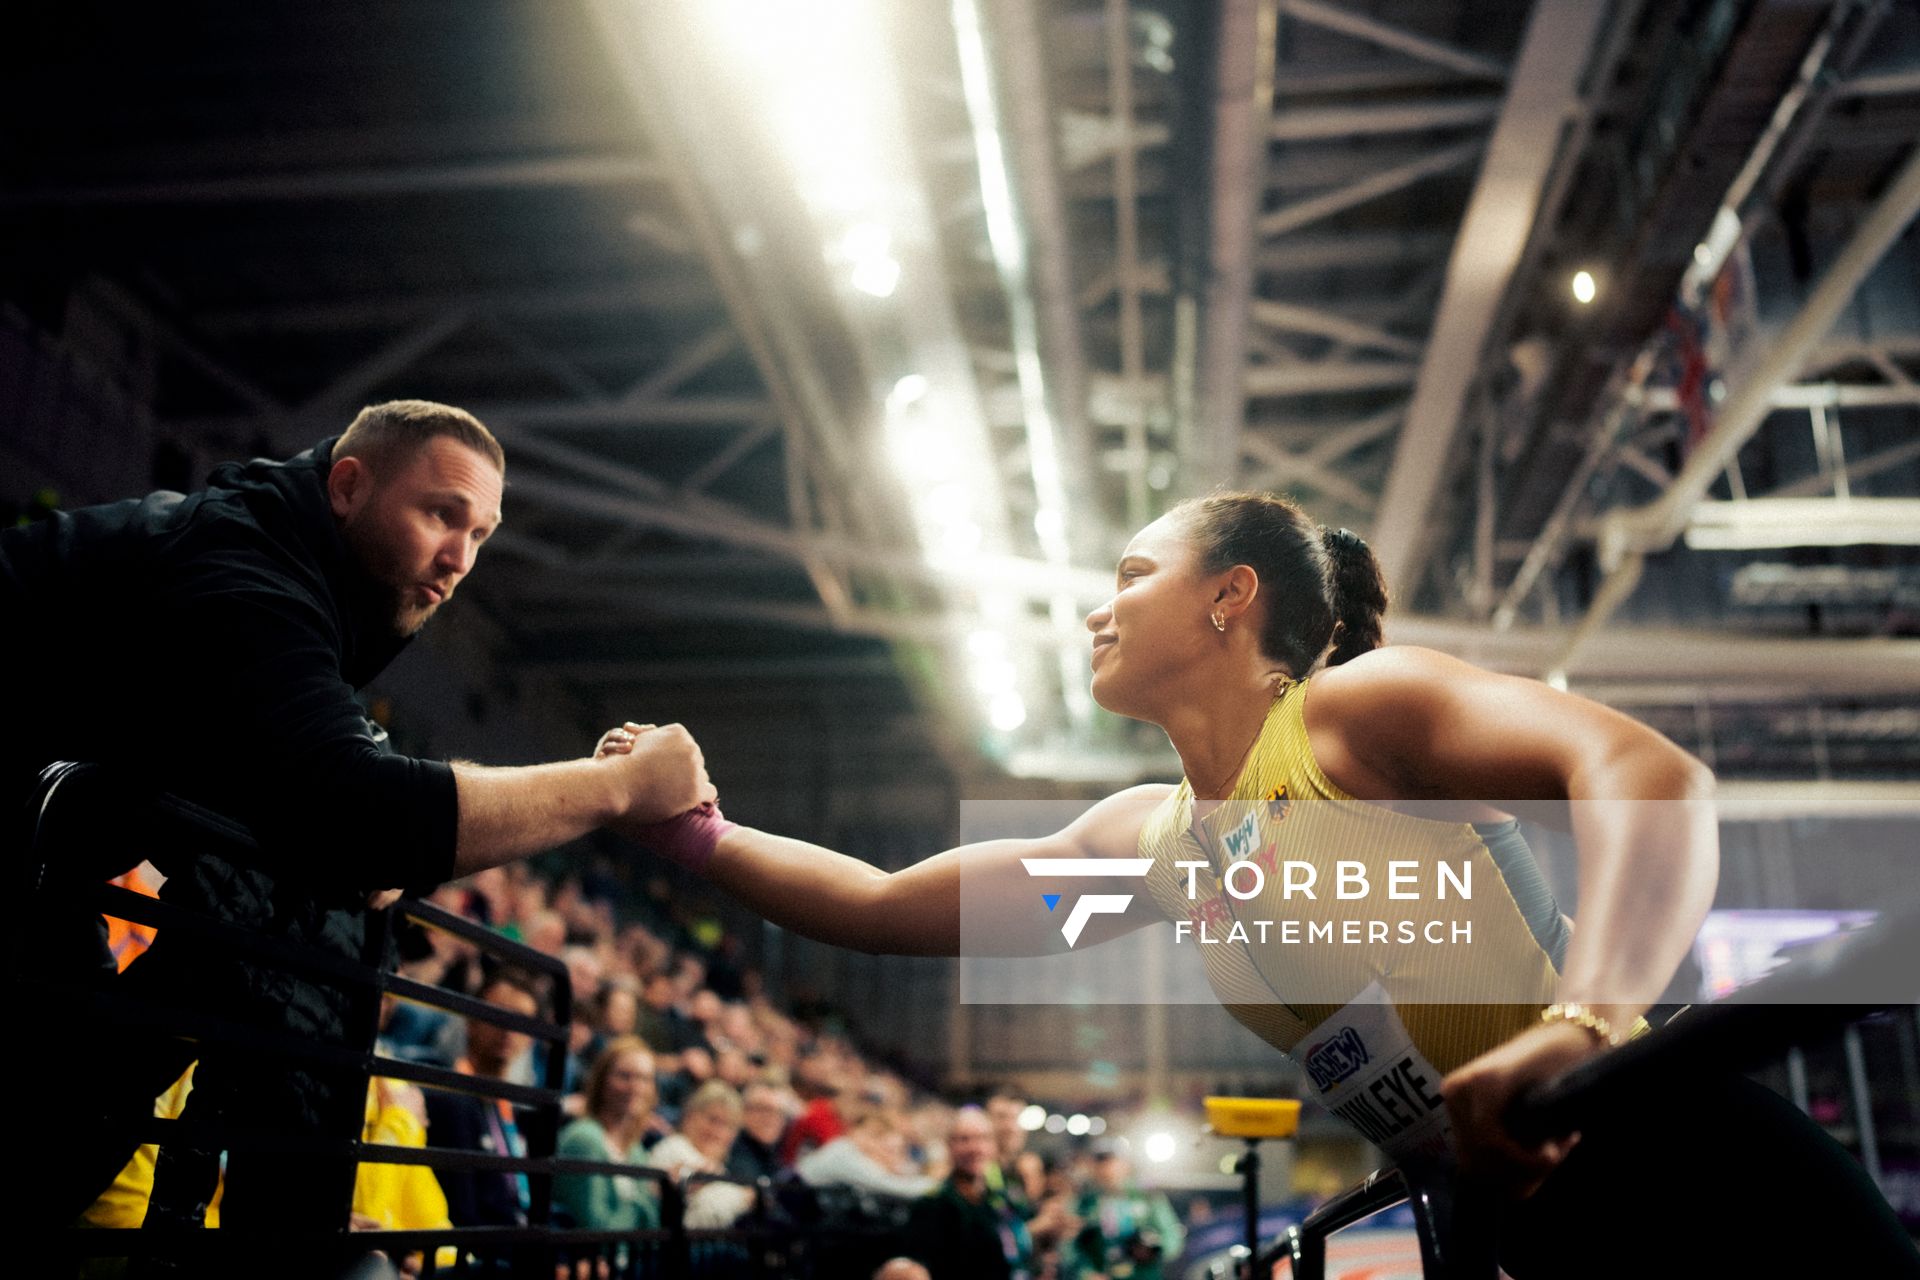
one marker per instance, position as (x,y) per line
(1814,995)
(81,801)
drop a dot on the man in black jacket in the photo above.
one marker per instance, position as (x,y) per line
(211,645)
(469,1122)
(965,1229)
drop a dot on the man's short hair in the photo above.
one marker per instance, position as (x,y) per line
(527,984)
(382,433)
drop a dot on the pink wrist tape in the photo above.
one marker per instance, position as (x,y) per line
(688,839)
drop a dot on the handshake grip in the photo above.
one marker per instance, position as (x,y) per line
(688,839)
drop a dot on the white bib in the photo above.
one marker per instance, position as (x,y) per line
(1362,1065)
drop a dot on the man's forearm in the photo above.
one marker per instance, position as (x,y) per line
(508,814)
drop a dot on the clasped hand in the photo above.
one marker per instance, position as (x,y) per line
(663,766)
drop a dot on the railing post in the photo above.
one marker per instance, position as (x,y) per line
(678,1257)
(1309,1254)
(1455,1221)
(1250,1192)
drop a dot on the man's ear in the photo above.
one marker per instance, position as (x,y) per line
(348,485)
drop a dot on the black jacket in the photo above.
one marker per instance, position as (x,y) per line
(480,1197)
(961,1239)
(212,643)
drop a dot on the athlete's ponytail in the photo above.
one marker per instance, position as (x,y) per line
(1359,594)
(1320,586)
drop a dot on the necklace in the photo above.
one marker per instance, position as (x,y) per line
(1231,774)
(1281,685)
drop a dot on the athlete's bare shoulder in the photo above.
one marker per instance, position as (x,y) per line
(1365,715)
(1373,682)
(1390,668)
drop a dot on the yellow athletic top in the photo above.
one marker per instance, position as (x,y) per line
(1456,999)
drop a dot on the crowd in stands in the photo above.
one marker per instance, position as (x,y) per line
(680,1065)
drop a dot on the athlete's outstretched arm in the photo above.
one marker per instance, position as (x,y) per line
(918,910)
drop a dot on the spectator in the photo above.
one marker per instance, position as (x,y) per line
(546,932)
(584,973)
(1009,1136)
(756,1149)
(1021,1175)
(708,1126)
(620,1096)
(929,1121)
(696,1068)
(1009,1140)
(1128,1231)
(733,1066)
(870,1156)
(819,1122)
(399,1197)
(408,1031)
(965,1230)
(901,1269)
(463,1122)
(660,1022)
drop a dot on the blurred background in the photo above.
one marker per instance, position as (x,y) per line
(838,346)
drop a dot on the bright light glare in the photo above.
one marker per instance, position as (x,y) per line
(1160,1147)
(1056,1124)
(1007,713)
(1584,288)
(1098,1127)
(876,276)
(865,240)
(922,450)
(1032,1117)
(1049,523)
(1077,1125)
(960,540)
(947,504)
(987,644)
(994,675)
(807,64)
(909,390)
(867,246)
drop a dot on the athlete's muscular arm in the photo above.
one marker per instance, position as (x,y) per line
(510,813)
(1643,819)
(917,910)
(1642,808)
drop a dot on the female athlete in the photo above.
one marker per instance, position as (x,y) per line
(1252,636)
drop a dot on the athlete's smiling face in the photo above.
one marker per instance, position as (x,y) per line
(1150,637)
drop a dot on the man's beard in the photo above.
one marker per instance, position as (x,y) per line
(406,619)
(391,602)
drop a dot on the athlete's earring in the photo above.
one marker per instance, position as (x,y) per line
(1219,622)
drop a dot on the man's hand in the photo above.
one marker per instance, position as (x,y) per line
(1478,1093)
(661,768)
(384,898)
